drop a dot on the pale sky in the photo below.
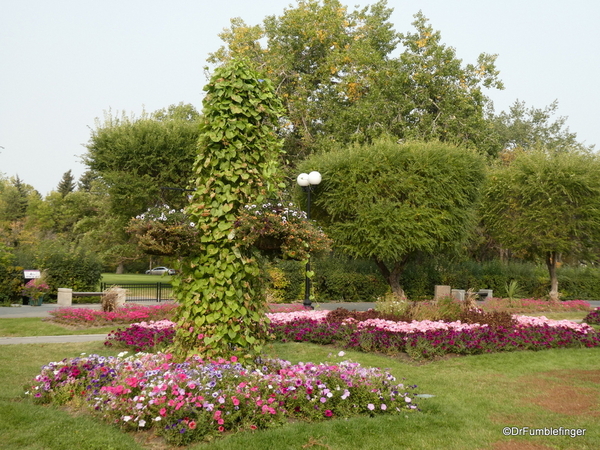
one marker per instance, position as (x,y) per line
(63,63)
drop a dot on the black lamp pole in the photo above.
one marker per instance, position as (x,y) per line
(308,182)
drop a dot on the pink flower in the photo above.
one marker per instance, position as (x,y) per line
(328,413)
(163,412)
(192,425)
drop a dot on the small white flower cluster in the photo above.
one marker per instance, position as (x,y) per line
(165,212)
(286,212)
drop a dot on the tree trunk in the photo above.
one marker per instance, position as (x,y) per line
(120,268)
(393,276)
(551,264)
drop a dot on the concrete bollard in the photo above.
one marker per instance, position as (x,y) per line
(442,291)
(458,294)
(65,297)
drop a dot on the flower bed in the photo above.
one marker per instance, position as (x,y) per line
(423,339)
(130,313)
(143,336)
(528,305)
(191,401)
(593,318)
(426,339)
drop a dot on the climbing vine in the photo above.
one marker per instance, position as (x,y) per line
(222,303)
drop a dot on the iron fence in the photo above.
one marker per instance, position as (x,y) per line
(145,292)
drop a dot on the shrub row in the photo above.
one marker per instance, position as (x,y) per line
(341,279)
(335,279)
(78,270)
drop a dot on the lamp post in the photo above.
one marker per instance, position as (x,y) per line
(307,182)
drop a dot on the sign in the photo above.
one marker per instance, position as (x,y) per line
(31,274)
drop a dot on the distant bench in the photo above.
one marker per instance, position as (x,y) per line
(65,296)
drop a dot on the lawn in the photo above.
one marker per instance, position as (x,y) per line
(35,326)
(116,279)
(468,401)
(475,397)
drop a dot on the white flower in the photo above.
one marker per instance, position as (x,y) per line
(142,423)
(341,353)
(127,418)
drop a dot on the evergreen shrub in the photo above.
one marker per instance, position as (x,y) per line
(335,279)
(77,270)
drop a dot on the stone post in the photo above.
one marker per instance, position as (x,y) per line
(442,291)
(458,294)
(65,297)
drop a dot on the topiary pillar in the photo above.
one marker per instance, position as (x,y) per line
(222,303)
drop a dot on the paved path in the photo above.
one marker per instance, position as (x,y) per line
(44,311)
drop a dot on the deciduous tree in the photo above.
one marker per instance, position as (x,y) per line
(389,201)
(136,157)
(544,204)
(340,82)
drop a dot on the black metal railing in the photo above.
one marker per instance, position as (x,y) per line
(144,292)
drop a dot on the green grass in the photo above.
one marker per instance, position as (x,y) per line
(571,315)
(35,326)
(475,397)
(113,278)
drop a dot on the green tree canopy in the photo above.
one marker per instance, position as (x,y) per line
(339,81)
(66,184)
(544,204)
(389,201)
(136,158)
(523,128)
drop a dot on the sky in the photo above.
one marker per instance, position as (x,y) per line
(64,64)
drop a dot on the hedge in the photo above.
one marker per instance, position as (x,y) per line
(341,279)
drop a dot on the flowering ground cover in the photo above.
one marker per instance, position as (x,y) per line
(143,336)
(593,318)
(426,339)
(195,400)
(419,339)
(529,305)
(130,313)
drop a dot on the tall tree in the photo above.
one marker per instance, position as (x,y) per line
(523,128)
(137,158)
(389,202)
(66,184)
(316,53)
(544,204)
(86,181)
(340,83)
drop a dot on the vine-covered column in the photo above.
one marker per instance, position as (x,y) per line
(222,304)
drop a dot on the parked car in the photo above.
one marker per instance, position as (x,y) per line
(160,271)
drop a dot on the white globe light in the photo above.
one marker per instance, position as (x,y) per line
(314,178)
(302,180)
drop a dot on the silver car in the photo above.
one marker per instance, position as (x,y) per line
(160,271)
